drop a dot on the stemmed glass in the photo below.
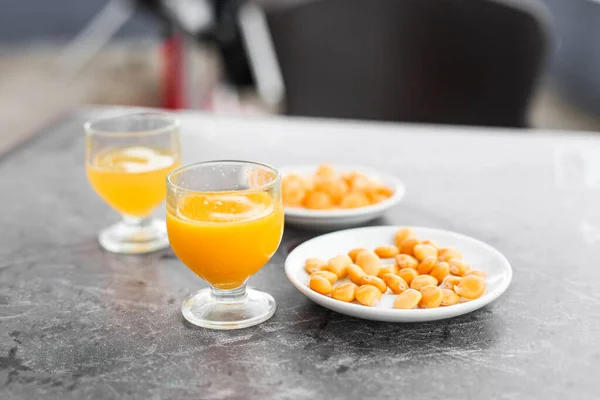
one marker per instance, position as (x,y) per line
(225,222)
(127,160)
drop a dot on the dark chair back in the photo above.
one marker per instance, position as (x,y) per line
(469,62)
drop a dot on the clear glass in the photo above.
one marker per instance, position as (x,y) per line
(225,222)
(127,161)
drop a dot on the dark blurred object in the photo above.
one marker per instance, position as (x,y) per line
(238,30)
(444,61)
(470,62)
(576,64)
(218,25)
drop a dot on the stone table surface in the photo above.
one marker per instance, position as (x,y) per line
(77,322)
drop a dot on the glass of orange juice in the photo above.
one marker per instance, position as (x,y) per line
(225,222)
(127,161)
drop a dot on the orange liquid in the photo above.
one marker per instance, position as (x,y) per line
(132,180)
(225,238)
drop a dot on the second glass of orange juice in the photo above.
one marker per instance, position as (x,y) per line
(225,222)
(127,161)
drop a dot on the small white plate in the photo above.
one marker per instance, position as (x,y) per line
(478,254)
(340,219)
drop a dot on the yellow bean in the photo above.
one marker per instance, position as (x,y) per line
(451,281)
(292,192)
(440,271)
(369,262)
(355,200)
(349,177)
(354,252)
(450,297)
(375,281)
(408,274)
(387,269)
(432,243)
(408,246)
(423,280)
(458,267)
(338,265)
(355,273)
(395,283)
(314,264)
(470,287)
(447,254)
(336,188)
(368,295)
(325,171)
(476,272)
(330,276)
(320,285)
(345,292)
(406,261)
(408,299)
(432,297)
(359,183)
(387,251)
(377,198)
(318,200)
(380,189)
(422,251)
(402,235)
(427,265)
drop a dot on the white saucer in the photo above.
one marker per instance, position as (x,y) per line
(478,254)
(340,219)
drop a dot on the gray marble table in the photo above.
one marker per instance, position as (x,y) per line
(79,323)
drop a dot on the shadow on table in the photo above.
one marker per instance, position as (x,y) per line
(475,331)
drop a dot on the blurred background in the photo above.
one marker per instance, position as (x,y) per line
(515,63)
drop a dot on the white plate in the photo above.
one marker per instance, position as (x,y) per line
(478,254)
(339,219)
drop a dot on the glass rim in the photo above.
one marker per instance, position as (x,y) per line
(257,189)
(173,123)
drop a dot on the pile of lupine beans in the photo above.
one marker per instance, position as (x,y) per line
(420,272)
(330,189)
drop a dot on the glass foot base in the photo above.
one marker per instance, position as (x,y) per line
(204,309)
(135,239)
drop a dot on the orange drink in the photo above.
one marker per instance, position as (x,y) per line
(225,222)
(127,161)
(225,239)
(131,179)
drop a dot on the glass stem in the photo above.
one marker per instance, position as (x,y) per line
(229,296)
(135,222)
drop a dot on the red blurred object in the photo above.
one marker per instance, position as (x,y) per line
(173,90)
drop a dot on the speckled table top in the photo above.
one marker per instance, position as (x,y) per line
(79,323)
